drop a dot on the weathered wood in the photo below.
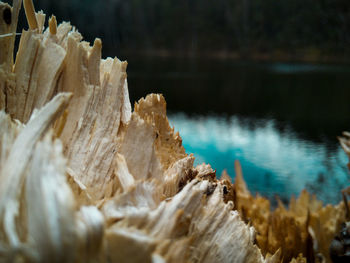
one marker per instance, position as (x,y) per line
(83,178)
(132,166)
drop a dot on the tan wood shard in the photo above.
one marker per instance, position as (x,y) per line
(96,182)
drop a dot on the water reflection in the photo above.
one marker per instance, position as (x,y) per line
(272,162)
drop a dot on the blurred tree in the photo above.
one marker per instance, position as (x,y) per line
(200,26)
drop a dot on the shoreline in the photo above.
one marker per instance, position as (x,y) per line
(303,56)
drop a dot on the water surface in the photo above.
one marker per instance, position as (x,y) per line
(272,162)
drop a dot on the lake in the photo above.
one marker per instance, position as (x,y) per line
(280,120)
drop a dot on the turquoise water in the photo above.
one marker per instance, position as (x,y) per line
(272,162)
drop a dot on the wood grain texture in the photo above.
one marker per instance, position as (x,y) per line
(83,178)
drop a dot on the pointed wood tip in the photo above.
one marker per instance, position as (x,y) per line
(30,14)
(53,25)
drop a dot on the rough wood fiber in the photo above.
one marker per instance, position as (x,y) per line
(83,178)
(97,182)
(306,228)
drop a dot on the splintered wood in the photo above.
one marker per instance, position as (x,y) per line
(306,228)
(83,178)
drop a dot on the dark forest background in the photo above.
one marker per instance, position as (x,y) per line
(309,30)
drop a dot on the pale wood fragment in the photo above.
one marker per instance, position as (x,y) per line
(168,144)
(40,18)
(129,245)
(90,232)
(93,117)
(30,14)
(121,170)
(105,184)
(38,65)
(176,174)
(52,235)
(53,25)
(137,147)
(13,174)
(206,227)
